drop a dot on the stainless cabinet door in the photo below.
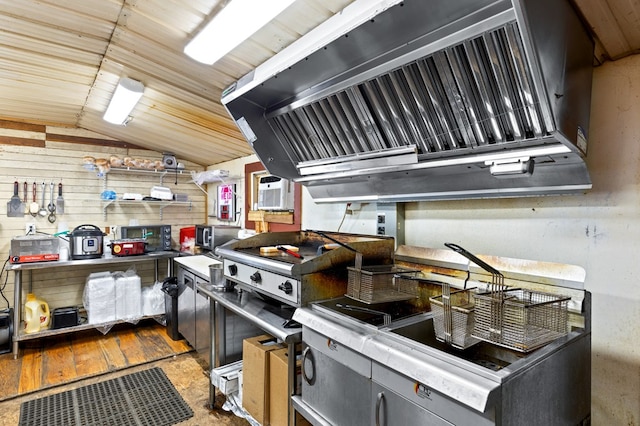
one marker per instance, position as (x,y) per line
(390,409)
(186,306)
(337,393)
(202,322)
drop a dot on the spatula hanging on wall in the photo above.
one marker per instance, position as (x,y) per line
(59,200)
(14,205)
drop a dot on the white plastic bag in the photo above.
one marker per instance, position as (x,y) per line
(153,300)
(128,295)
(209,176)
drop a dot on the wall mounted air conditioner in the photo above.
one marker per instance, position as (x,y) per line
(275,193)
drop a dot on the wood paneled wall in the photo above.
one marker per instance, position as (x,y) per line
(30,152)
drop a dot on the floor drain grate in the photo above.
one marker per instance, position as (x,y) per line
(145,398)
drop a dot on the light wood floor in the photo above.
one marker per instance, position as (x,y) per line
(63,359)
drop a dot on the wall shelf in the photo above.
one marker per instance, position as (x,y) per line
(160,204)
(154,172)
(157,172)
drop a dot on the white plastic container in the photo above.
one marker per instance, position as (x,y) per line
(128,297)
(99,298)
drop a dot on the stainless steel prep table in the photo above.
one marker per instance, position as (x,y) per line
(18,268)
(254,309)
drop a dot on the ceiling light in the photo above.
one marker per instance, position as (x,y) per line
(238,21)
(126,96)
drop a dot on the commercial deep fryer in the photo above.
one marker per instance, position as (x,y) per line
(359,370)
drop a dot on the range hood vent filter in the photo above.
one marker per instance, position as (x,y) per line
(474,94)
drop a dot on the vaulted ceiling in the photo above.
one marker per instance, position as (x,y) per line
(60,61)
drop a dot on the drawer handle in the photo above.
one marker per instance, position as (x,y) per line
(306,354)
(379,401)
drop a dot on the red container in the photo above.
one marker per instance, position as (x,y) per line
(188,239)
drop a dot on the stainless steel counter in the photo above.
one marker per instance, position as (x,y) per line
(198,264)
(18,268)
(158,255)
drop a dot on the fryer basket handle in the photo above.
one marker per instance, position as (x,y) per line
(474,259)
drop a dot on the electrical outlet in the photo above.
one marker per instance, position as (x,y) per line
(30,229)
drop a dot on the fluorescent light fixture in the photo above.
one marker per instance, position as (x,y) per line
(238,21)
(511,168)
(127,94)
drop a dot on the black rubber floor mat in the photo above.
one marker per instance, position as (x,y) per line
(140,399)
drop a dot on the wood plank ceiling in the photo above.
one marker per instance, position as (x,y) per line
(60,61)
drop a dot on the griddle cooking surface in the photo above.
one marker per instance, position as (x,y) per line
(307,251)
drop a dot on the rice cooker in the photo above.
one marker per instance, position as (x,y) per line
(85,242)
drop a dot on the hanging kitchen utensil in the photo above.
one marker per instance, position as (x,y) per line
(25,189)
(60,200)
(43,209)
(14,206)
(51,206)
(33,207)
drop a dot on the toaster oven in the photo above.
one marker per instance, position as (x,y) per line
(158,237)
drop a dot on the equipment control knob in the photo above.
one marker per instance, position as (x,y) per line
(233,270)
(286,287)
(256,277)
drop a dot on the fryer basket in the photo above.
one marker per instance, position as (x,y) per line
(517,319)
(453,320)
(379,283)
(520,319)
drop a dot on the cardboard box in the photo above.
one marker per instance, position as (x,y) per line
(278,388)
(225,378)
(255,371)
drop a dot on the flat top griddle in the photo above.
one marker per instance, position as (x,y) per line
(309,250)
(319,250)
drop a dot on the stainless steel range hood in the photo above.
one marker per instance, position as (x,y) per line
(418,100)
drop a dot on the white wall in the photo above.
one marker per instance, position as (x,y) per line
(598,231)
(236,175)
